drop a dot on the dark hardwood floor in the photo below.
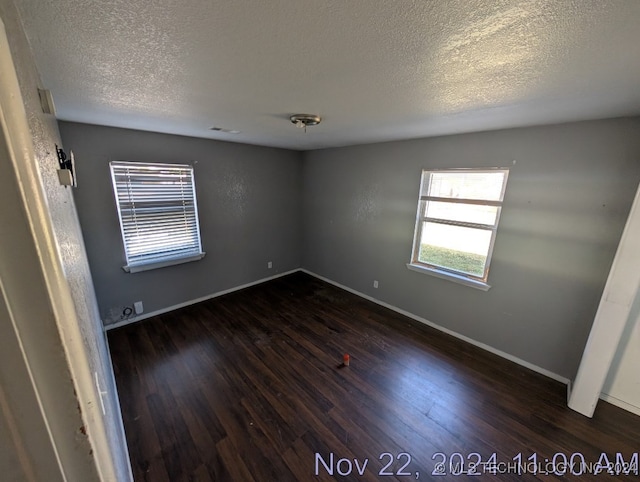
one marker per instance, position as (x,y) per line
(247,387)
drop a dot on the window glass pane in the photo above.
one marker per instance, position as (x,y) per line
(464,185)
(455,247)
(469,213)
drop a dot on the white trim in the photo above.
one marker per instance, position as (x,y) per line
(144,316)
(137,268)
(116,399)
(456,278)
(15,130)
(620,290)
(620,403)
(19,141)
(490,349)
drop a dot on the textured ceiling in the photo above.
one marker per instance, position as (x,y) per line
(375,70)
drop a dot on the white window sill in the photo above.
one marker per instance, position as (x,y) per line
(161,264)
(456,278)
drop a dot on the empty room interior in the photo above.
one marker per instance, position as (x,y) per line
(319,240)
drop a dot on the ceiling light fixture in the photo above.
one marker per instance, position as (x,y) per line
(304,120)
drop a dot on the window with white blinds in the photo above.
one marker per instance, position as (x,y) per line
(158,214)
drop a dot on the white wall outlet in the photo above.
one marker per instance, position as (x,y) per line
(269,264)
(138,307)
(375,283)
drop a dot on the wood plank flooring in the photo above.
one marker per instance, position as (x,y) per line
(247,387)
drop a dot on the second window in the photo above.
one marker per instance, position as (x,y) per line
(458,214)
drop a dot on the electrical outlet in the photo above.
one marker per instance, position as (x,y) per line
(375,283)
(137,306)
(269,264)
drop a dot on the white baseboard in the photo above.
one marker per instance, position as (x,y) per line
(620,403)
(485,347)
(144,316)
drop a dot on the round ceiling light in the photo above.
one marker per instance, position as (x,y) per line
(304,120)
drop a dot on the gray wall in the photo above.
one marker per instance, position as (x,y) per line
(348,214)
(567,199)
(249,211)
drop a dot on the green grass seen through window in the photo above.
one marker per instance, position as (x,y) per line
(457,260)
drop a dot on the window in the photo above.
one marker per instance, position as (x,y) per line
(456,224)
(158,214)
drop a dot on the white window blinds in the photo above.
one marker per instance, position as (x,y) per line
(158,213)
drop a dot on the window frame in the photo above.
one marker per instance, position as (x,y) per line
(154,259)
(469,279)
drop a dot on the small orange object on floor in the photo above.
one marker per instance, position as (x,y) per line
(346,359)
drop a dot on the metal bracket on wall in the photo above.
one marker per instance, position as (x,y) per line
(66,173)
